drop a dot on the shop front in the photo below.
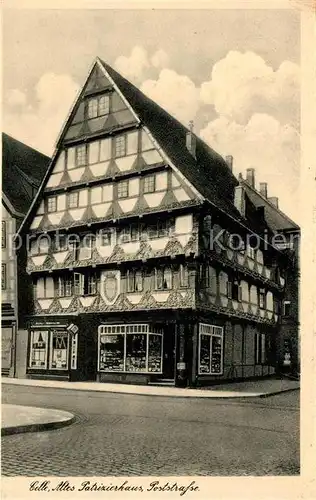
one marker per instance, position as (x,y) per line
(8,334)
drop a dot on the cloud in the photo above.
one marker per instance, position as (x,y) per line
(243,83)
(16,97)
(175,93)
(40,121)
(266,145)
(160,59)
(133,67)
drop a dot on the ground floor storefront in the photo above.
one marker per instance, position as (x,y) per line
(172,347)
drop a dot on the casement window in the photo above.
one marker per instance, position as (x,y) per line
(130,348)
(3,234)
(286,308)
(129,233)
(40,246)
(85,284)
(134,281)
(45,288)
(105,236)
(251,252)
(149,184)
(119,146)
(52,204)
(184,275)
(81,155)
(59,350)
(122,189)
(211,341)
(85,247)
(262,298)
(260,348)
(38,349)
(64,286)
(98,106)
(61,243)
(158,230)
(234,290)
(3,276)
(163,278)
(73,199)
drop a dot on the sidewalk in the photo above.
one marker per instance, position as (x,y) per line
(257,388)
(16,419)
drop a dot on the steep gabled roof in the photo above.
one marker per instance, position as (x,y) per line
(209,173)
(276,219)
(23,169)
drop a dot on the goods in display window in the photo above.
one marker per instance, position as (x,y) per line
(38,349)
(59,350)
(210,350)
(129,348)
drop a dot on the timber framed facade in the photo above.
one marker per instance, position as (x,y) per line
(128,284)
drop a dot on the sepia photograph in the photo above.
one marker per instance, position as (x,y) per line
(151,247)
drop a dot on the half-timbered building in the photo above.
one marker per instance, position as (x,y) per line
(134,276)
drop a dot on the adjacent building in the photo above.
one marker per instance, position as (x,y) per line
(150,262)
(23,169)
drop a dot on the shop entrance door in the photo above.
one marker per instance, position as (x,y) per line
(169,353)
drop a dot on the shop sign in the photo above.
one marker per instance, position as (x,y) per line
(181,365)
(73,329)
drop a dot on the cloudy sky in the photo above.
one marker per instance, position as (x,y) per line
(236,73)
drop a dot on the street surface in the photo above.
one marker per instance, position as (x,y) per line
(125,435)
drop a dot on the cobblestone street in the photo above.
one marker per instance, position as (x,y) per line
(117,434)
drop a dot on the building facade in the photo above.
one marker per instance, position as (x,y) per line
(22,171)
(132,253)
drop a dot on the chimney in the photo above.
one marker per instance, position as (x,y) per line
(250,177)
(274,200)
(263,189)
(191,140)
(240,200)
(229,160)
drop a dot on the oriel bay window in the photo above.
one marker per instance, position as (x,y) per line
(210,349)
(130,348)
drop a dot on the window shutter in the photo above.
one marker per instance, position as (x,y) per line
(229,289)
(78,283)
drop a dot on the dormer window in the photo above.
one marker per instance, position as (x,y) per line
(98,106)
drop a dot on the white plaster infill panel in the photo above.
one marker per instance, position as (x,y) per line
(87,301)
(60,163)
(235,305)
(152,157)
(36,222)
(254,308)
(262,313)
(175,181)
(181,195)
(224,301)
(104,250)
(161,296)
(60,256)
(131,247)
(270,314)
(158,244)
(183,238)
(99,169)
(125,163)
(76,173)
(45,303)
(240,258)
(128,205)
(101,209)
(65,303)
(39,260)
(54,180)
(77,213)
(134,298)
(154,199)
(55,218)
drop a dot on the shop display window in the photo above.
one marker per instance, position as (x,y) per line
(38,349)
(130,348)
(59,350)
(210,349)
